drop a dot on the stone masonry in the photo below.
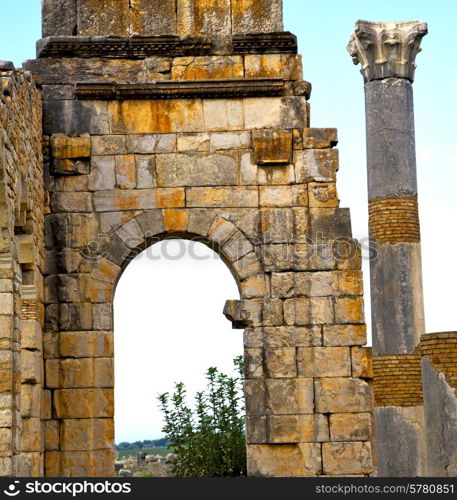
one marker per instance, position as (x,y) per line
(24,405)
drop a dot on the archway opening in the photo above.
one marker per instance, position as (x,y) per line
(169,328)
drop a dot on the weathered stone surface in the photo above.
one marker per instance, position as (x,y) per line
(350,426)
(204,68)
(323,362)
(285,66)
(281,362)
(87,434)
(272,147)
(340,395)
(126,172)
(108,145)
(223,115)
(153,18)
(143,199)
(103,173)
(318,165)
(222,197)
(197,17)
(299,460)
(284,429)
(96,19)
(151,143)
(83,403)
(197,170)
(59,18)
(347,458)
(256,16)
(314,428)
(341,335)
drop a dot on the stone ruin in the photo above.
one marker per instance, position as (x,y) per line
(142,120)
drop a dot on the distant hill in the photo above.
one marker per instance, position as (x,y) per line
(141,445)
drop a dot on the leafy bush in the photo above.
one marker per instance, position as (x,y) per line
(209,440)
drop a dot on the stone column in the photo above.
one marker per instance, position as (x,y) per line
(387,52)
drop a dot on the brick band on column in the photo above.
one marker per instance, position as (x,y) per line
(398,380)
(394,220)
(441,348)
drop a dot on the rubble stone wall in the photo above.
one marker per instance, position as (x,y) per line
(23,403)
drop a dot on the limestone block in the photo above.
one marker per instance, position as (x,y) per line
(5,440)
(347,458)
(273,313)
(30,334)
(284,460)
(153,18)
(71,202)
(342,395)
(345,335)
(272,147)
(254,286)
(30,400)
(6,467)
(69,373)
(351,426)
(142,199)
(237,247)
(319,138)
(125,172)
(283,429)
(248,169)
(156,116)
(229,140)
(193,143)
(314,428)
(75,117)
(319,165)
(198,169)
(200,221)
(87,434)
(253,363)
(108,145)
(75,317)
(102,174)
(196,17)
(46,405)
(6,304)
(6,418)
(256,429)
(222,197)
(247,266)
(362,362)
(297,311)
(106,271)
(329,223)
(349,310)
(151,143)
(151,223)
(51,435)
(107,18)
(77,178)
(275,174)
(262,113)
(207,67)
(58,18)
(292,336)
(256,16)
(322,195)
(32,435)
(283,196)
(223,115)
(305,395)
(323,362)
(145,171)
(175,220)
(282,285)
(255,397)
(282,396)
(285,66)
(83,403)
(281,362)
(30,366)
(86,344)
(103,316)
(66,147)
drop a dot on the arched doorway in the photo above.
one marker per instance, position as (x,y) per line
(169,328)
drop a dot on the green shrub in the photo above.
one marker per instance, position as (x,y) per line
(209,440)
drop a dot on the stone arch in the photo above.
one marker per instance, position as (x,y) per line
(113,253)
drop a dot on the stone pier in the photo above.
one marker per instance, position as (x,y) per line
(387,53)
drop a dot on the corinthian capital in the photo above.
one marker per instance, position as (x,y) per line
(387,50)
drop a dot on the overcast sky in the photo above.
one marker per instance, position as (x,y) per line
(168,320)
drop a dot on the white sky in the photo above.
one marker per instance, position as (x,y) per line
(168,314)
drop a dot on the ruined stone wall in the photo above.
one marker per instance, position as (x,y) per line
(22,401)
(201,131)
